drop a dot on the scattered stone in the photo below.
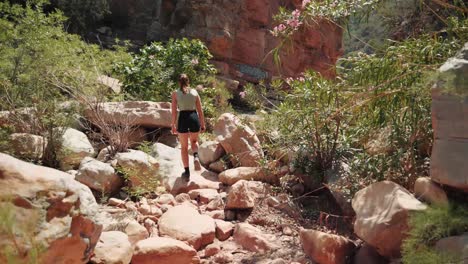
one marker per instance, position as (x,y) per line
(135,232)
(241,196)
(218,166)
(184,223)
(113,84)
(116,202)
(163,250)
(212,250)
(429,191)
(239,140)
(218,214)
(103,154)
(224,258)
(166,198)
(182,198)
(165,207)
(27,146)
(99,176)
(74,148)
(287,230)
(251,238)
(326,248)
(113,248)
(150,210)
(203,196)
(382,211)
(223,229)
(216,204)
(59,212)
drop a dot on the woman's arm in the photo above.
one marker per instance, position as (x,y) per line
(201,116)
(174,113)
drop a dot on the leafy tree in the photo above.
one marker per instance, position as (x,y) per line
(153,72)
(40,64)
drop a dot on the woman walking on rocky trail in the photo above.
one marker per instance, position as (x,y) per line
(187,121)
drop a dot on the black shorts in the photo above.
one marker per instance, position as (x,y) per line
(188,122)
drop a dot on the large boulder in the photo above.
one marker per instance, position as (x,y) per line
(429,191)
(382,211)
(132,113)
(171,168)
(454,246)
(113,248)
(231,176)
(450,123)
(326,248)
(140,168)
(238,140)
(99,176)
(252,239)
(49,208)
(74,148)
(210,151)
(27,146)
(164,250)
(184,223)
(242,195)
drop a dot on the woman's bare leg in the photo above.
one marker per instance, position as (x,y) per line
(194,142)
(183,139)
(194,145)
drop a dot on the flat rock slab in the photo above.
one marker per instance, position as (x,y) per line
(171,169)
(136,113)
(183,222)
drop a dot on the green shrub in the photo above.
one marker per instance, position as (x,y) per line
(310,122)
(429,226)
(153,73)
(215,98)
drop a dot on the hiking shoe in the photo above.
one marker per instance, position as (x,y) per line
(185,176)
(196,163)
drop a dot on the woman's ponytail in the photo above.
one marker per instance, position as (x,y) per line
(184,83)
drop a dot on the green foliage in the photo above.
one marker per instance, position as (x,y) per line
(215,98)
(309,120)
(253,96)
(153,72)
(41,66)
(379,103)
(429,226)
(140,182)
(145,146)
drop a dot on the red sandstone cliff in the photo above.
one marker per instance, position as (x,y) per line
(236,32)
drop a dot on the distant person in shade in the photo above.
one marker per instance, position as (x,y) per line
(187,121)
